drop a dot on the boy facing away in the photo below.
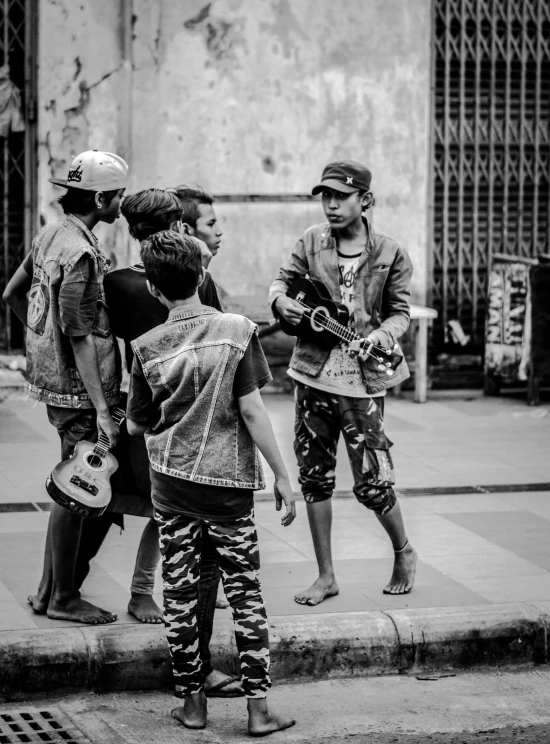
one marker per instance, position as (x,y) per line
(194,393)
(133,311)
(343,390)
(73,364)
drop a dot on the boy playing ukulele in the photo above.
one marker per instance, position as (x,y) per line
(342,390)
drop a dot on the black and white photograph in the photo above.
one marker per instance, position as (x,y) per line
(275,371)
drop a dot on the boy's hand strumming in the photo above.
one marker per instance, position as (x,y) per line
(291,310)
(283,492)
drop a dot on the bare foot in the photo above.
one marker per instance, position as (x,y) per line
(193,711)
(262,721)
(404,569)
(321,589)
(80,611)
(144,607)
(38,603)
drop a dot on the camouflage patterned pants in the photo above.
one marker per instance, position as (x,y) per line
(236,544)
(320,417)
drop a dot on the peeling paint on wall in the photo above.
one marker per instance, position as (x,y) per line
(79,83)
(221,38)
(246,97)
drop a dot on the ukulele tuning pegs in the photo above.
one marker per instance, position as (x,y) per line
(381,367)
(390,372)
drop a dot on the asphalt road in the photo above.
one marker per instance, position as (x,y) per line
(508,735)
(496,707)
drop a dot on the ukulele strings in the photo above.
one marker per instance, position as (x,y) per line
(102,445)
(332,325)
(338,329)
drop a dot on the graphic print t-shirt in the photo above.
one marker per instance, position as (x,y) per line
(341,373)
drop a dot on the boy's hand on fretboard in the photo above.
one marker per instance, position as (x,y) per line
(377,338)
(106,424)
(355,349)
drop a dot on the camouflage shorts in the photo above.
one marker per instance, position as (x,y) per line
(320,417)
(236,544)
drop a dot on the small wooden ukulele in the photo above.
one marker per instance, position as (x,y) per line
(324,323)
(82,484)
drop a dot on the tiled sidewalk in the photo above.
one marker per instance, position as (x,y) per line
(478,548)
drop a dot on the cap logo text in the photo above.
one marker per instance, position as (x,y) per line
(75,175)
(349,179)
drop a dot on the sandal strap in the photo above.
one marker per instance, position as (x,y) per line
(222,684)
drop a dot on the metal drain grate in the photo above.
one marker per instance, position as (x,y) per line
(33,725)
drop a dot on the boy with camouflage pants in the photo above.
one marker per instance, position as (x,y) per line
(341,391)
(194,393)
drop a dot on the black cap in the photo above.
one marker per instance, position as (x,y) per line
(345,176)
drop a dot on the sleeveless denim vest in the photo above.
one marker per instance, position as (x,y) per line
(52,375)
(189,363)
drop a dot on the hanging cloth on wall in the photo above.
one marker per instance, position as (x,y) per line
(11,115)
(508,323)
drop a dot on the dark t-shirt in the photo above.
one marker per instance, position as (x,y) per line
(132,308)
(175,495)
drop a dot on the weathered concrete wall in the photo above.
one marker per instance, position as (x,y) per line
(81,87)
(255,97)
(249,96)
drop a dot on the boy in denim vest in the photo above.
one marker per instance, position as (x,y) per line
(73,363)
(133,311)
(194,393)
(343,390)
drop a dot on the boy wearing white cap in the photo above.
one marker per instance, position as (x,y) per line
(73,363)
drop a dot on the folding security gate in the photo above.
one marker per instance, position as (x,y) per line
(18,20)
(491,119)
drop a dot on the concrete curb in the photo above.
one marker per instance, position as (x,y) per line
(126,657)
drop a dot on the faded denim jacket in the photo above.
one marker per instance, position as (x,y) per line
(189,363)
(384,274)
(52,374)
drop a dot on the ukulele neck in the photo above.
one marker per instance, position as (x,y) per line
(334,326)
(103,445)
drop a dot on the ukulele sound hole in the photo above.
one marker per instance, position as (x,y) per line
(317,313)
(94,462)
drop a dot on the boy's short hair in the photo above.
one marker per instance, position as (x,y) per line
(150,211)
(172,262)
(190,199)
(78,201)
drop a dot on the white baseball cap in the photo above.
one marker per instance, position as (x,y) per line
(95,171)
